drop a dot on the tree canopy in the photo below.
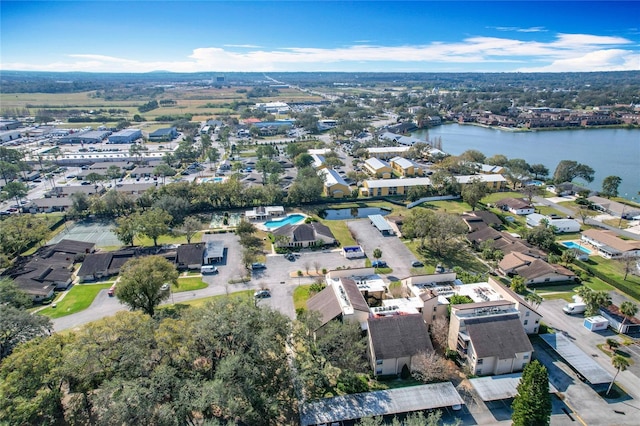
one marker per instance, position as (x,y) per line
(532,404)
(568,170)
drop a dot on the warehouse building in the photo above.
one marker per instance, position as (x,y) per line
(125,136)
(90,136)
(163,135)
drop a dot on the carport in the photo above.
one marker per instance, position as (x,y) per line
(381,224)
(380,403)
(582,363)
(493,388)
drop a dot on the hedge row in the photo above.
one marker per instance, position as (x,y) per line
(621,285)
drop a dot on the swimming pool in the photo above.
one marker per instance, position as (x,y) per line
(213,179)
(289,220)
(572,245)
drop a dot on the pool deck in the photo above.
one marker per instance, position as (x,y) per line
(261,225)
(584,245)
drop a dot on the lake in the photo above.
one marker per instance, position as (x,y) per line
(354,213)
(608,151)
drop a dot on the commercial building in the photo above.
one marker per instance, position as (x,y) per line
(163,135)
(125,136)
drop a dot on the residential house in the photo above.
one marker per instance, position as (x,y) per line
(609,245)
(405,167)
(489,337)
(394,341)
(99,266)
(614,208)
(516,206)
(534,271)
(558,224)
(503,241)
(479,219)
(341,299)
(378,168)
(334,185)
(619,322)
(303,235)
(190,256)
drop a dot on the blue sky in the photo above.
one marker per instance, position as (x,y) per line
(413,36)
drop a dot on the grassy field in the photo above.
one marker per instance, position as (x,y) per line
(340,231)
(448,206)
(546,210)
(245,294)
(497,196)
(463,258)
(300,296)
(167,239)
(77,299)
(189,284)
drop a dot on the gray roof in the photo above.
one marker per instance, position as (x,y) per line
(493,388)
(326,303)
(353,293)
(399,336)
(379,403)
(190,254)
(304,231)
(214,249)
(578,359)
(499,336)
(380,223)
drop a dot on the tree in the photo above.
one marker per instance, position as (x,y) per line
(628,264)
(612,343)
(377,253)
(176,206)
(430,367)
(541,236)
(517,284)
(190,227)
(540,171)
(164,170)
(303,160)
(628,309)
(439,332)
(266,151)
(80,204)
(497,160)
(153,223)
(19,326)
(15,190)
(473,192)
(94,178)
(568,170)
(533,298)
(19,232)
(141,280)
(11,295)
(532,404)
(126,229)
(593,299)
(114,173)
(137,151)
(620,363)
(610,186)
(530,191)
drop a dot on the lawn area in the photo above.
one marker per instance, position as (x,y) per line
(245,294)
(189,284)
(463,258)
(547,211)
(167,239)
(77,299)
(448,206)
(497,196)
(300,296)
(340,231)
(566,296)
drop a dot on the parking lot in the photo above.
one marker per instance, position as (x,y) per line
(394,251)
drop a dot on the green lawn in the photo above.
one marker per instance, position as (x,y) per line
(448,206)
(612,268)
(547,211)
(167,239)
(300,296)
(77,299)
(189,284)
(340,231)
(245,294)
(497,196)
(463,258)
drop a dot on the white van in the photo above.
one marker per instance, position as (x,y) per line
(574,308)
(208,269)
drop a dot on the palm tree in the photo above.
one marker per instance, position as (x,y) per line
(534,298)
(621,364)
(628,309)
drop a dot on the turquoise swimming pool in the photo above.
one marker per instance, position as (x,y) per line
(289,220)
(572,245)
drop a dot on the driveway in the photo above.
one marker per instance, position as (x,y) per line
(394,251)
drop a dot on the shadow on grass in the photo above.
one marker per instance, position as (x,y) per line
(463,257)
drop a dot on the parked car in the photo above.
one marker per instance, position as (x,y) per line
(258,265)
(379,264)
(164,287)
(417,264)
(262,294)
(208,269)
(290,256)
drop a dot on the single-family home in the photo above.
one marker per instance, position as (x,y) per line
(334,185)
(190,256)
(303,235)
(394,341)
(489,337)
(614,208)
(480,219)
(378,168)
(609,245)
(534,271)
(516,206)
(405,167)
(98,266)
(558,224)
(618,321)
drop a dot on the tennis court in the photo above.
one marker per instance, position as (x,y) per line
(99,232)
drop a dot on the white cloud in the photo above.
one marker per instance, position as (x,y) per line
(566,52)
(521,30)
(245,46)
